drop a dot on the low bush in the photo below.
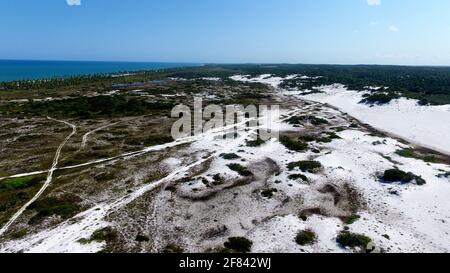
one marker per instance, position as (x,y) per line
(300,120)
(351,219)
(231,156)
(348,239)
(293,145)
(238,244)
(298,176)
(396,175)
(306,237)
(268,193)
(379,98)
(65,207)
(255,143)
(306,166)
(240,169)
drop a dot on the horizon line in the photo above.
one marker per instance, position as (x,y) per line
(225,63)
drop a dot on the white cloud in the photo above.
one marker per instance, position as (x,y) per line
(73,2)
(374,2)
(394,28)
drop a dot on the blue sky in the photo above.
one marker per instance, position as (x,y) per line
(294,31)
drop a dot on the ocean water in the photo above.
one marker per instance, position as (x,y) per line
(30,70)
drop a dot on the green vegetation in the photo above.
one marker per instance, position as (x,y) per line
(268,193)
(231,156)
(106,234)
(348,239)
(351,219)
(411,153)
(151,140)
(218,179)
(293,145)
(396,175)
(306,237)
(238,244)
(330,136)
(379,98)
(85,107)
(255,143)
(64,207)
(298,176)
(240,169)
(20,182)
(19,234)
(428,84)
(301,120)
(306,166)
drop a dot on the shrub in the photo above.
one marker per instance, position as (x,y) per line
(240,169)
(396,175)
(268,193)
(19,234)
(299,120)
(104,234)
(308,138)
(293,145)
(379,98)
(306,166)
(239,244)
(65,208)
(298,176)
(255,143)
(231,156)
(352,219)
(348,239)
(306,237)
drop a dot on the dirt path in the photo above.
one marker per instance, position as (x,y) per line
(47,182)
(85,136)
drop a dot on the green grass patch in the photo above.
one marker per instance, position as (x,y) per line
(411,153)
(20,182)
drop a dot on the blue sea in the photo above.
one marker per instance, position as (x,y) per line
(31,70)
